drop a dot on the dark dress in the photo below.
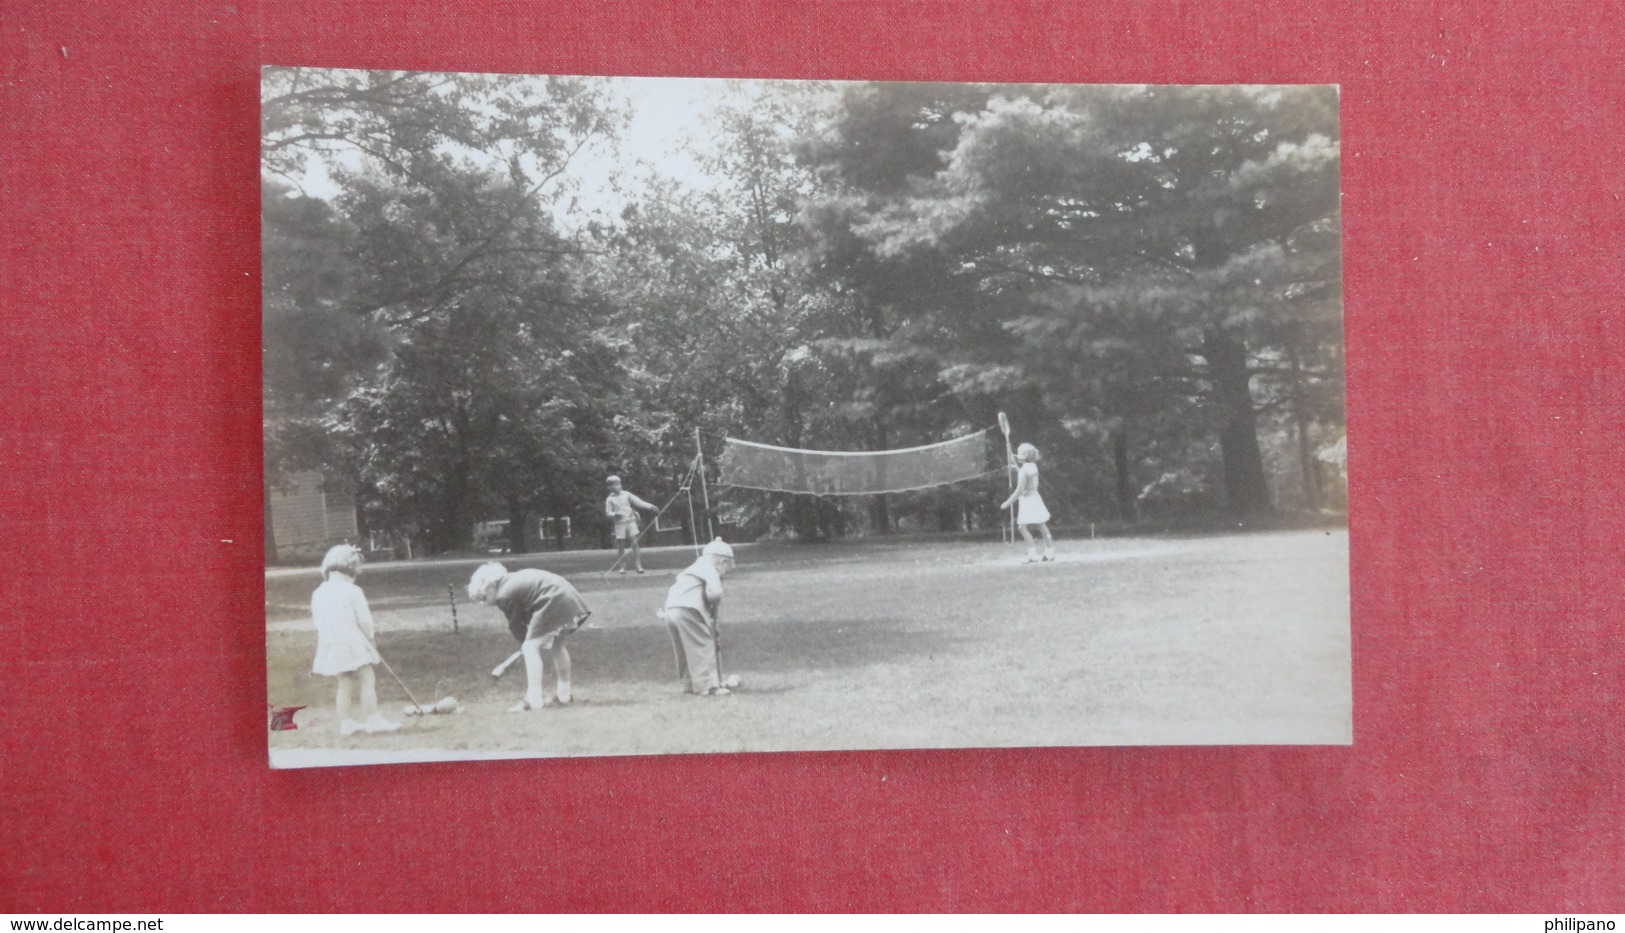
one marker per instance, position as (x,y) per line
(541,605)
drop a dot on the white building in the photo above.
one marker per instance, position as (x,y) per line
(308,515)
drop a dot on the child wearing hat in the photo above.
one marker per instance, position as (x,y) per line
(691,609)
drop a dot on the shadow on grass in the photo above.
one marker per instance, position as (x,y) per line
(436,664)
(409,587)
(645,654)
(829,645)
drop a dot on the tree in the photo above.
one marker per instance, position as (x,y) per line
(1146,279)
(896,323)
(315,350)
(494,385)
(713,293)
(1169,229)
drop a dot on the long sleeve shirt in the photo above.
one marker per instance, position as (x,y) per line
(699,587)
(619,506)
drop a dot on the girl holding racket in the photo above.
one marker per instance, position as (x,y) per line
(1030,508)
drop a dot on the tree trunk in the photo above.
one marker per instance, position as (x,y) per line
(363,526)
(879,508)
(879,515)
(804,508)
(1246,489)
(831,519)
(1300,414)
(456,526)
(518,534)
(1127,499)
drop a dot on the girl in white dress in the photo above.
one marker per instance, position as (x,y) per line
(344,634)
(1030,508)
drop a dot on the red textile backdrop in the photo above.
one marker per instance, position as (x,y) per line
(1484,266)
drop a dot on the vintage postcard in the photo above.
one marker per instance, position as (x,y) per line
(627,416)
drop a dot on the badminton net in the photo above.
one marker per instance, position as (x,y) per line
(855,473)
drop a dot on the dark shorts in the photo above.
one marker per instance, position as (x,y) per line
(539,605)
(562,615)
(549,630)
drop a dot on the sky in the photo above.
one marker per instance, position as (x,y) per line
(666,129)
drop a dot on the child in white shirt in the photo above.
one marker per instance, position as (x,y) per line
(620,507)
(344,635)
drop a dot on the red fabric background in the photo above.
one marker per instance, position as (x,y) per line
(1483,225)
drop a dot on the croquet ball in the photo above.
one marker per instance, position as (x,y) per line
(449,704)
(732,683)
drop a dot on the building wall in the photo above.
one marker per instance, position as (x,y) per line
(306,519)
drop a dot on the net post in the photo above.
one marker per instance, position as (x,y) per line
(1010,470)
(688,492)
(705,494)
(693,526)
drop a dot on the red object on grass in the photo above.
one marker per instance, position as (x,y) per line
(282,718)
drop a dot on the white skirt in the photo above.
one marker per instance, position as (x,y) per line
(342,649)
(1030,510)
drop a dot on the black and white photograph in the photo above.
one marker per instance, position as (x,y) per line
(630,416)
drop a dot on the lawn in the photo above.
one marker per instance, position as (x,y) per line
(1235,639)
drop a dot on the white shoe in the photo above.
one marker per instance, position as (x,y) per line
(564,694)
(1032,557)
(350,727)
(525,705)
(1049,555)
(377,723)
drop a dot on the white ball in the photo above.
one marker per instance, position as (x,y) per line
(733,682)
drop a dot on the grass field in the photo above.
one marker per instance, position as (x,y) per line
(1238,639)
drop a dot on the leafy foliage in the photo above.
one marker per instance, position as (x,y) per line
(1147,279)
(1138,248)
